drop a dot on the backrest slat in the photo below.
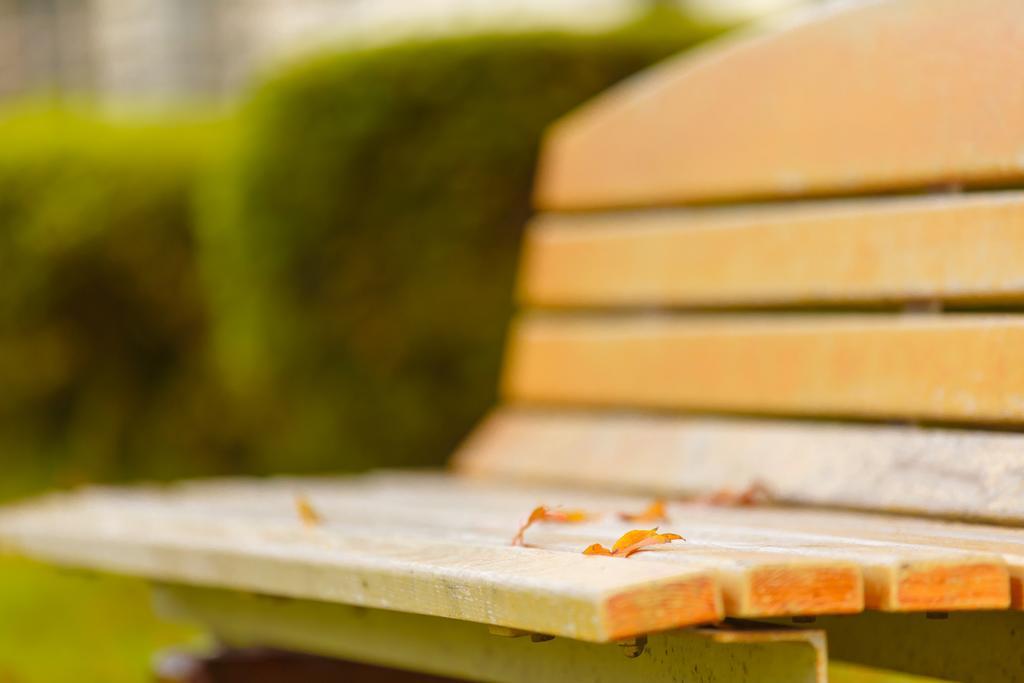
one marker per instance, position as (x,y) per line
(959,368)
(869,96)
(952,248)
(943,472)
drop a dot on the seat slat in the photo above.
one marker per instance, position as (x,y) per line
(941,472)
(951,367)
(957,248)
(903,559)
(762,574)
(1005,541)
(549,592)
(369,530)
(430,544)
(865,97)
(751,577)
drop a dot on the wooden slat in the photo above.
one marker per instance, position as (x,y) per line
(762,571)
(949,367)
(549,592)
(369,527)
(908,564)
(941,472)
(959,248)
(1004,541)
(864,97)
(467,651)
(755,581)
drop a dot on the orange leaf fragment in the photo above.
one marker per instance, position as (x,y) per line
(756,493)
(542,513)
(307,513)
(632,541)
(655,512)
(597,549)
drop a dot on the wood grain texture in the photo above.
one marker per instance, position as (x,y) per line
(549,592)
(958,248)
(467,651)
(761,572)
(857,98)
(961,368)
(433,544)
(424,522)
(940,472)
(1007,542)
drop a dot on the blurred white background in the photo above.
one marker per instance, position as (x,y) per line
(154,51)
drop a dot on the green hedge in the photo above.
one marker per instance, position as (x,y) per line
(360,247)
(102,319)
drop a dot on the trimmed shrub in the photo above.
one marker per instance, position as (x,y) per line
(360,244)
(102,320)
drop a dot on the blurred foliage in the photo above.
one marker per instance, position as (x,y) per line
(102,320)
(319,282)
(360,244)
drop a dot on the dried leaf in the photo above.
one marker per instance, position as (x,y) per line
(632,541)
(655,512)
(542,513)
(631,537)
(651,537)
(757,493)
(307,513)
(597,549)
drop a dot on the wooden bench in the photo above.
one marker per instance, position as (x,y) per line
(795,259)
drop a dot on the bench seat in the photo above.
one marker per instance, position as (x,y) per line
(441,545)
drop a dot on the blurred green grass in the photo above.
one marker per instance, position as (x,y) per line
(63,627)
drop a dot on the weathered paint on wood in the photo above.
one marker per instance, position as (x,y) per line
(962,248)
(448,544)
(466,650)
(439,545)
(941,472)
(550,592)
(1008,542)
(762,571)
(962,368)
(864,97)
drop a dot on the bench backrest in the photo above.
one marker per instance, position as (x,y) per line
(777,259)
